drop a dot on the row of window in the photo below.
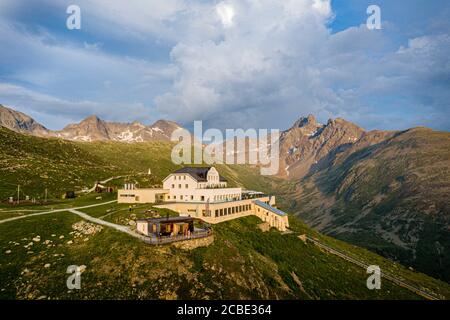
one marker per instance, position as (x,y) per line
(232,210)
(230,197)
(186,197)
(227,197)
(179,186)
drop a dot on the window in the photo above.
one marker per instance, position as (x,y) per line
(202,198)
(168,197)
(184,177)
(221,212)
(181,197)
(216,213)
(192,197)
(179,186)
(173,186)
(186,185)
(175,197)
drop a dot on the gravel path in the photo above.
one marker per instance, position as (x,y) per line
(54,211)
(117,227)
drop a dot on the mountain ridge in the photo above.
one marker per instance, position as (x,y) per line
(90,129)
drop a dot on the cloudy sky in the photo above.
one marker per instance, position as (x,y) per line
(231,63)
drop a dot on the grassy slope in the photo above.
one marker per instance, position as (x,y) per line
(397,188)
(37,163)
(245,252)
(242,263)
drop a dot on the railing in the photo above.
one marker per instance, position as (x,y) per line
(155,240)
(254,196)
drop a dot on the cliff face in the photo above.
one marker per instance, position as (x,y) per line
(307,144)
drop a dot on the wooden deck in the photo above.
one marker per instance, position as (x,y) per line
(170,239)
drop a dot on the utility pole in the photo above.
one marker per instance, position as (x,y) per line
(18,194)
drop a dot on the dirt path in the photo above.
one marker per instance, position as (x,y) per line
(117,227)
(54,211)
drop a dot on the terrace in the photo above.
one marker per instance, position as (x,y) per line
(160,240)
(171,229)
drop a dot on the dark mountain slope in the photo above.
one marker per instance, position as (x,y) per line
(391,197)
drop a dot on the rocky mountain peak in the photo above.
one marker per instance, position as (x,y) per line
(91,119)
(307,143)
(20,122)
(304,121)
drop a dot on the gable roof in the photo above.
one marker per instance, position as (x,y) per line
(198,173)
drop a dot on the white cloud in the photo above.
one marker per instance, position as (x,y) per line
(255,69)
(322,6)
(282,62)
(233,63)
(226,14)
(76,73)
(56,112)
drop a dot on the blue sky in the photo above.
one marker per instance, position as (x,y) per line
(231,63)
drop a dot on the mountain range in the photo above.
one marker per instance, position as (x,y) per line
(90,129)
(383,190)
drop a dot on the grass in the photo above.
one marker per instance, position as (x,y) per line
(242,263)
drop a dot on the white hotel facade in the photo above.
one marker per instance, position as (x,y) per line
(201,192)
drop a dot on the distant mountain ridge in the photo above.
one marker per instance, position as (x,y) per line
(308,142)
(90,129)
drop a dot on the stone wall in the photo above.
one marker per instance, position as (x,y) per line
(194,243)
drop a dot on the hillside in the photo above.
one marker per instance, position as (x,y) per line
(242,263)
(390,197)
(59,165)
(393,195)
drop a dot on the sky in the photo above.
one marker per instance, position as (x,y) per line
(231,63)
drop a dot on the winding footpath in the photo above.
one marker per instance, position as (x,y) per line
(117,227)
(56,210)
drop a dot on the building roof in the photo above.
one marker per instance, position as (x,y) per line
(269,207)
(198,173)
